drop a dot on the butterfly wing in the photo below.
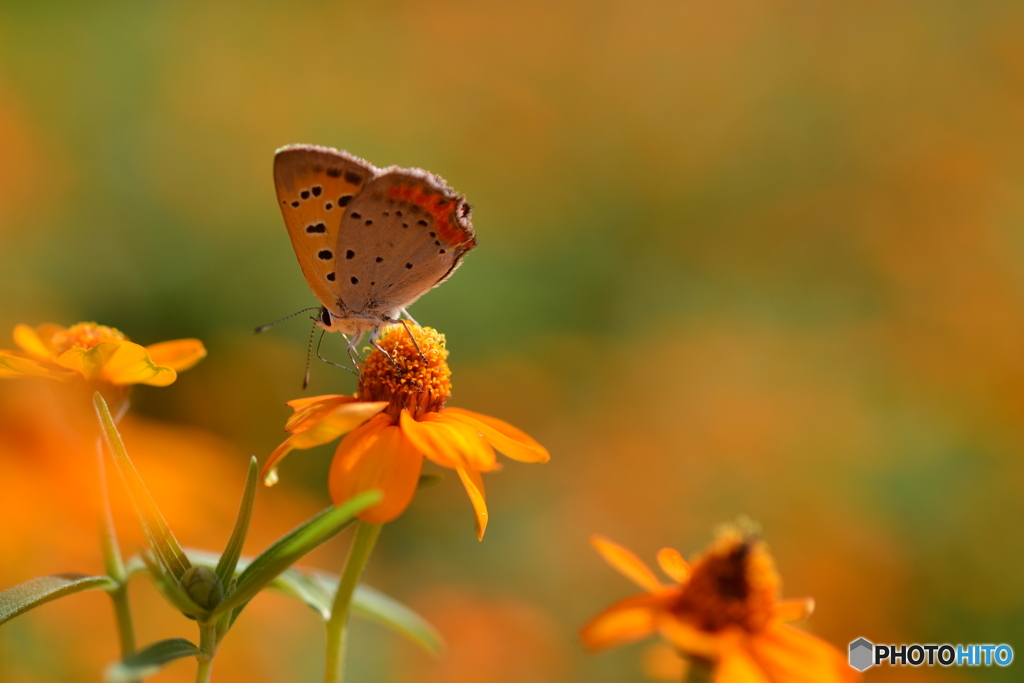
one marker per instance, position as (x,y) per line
(404,234)
(316,186)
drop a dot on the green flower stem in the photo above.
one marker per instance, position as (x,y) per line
(112,561)
(700,670)
(337,625)
(208,648)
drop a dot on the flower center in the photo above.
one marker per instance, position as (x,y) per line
(407,382)
(83,336)
(732,584)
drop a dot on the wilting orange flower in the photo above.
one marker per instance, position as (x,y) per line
(398,417)
(101,356)
(723,608)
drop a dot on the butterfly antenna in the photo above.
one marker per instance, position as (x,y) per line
(264,328)
(309,355)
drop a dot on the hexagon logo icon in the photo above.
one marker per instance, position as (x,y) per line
(861,654)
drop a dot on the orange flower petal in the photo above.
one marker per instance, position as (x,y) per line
(625,621)
(178,355)
(376,456)
(299,403)
(347,416)
(313,409)
(447,444)
(627,563)
(509,440)
(673,564)
(788,654)
(18,366)
(88,363)
(474,485)
(324,423)
(688,638)
(269,471)
(736,665)
(477,453)
(36,341)
(794,609)
(129,363)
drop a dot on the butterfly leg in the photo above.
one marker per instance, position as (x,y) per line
(353,354)
(411,319)
(330,362)
(414,342)
(373,340)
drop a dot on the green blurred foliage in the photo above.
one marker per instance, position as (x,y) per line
(735,257)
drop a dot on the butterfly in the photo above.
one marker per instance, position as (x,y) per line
(370,241)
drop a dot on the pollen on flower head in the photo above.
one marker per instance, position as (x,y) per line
(407,382)
(84,336)
(734,583)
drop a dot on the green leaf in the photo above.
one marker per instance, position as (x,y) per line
(35,592)
(153,523)
(317,589)
(293,545)
(150,659)
(229,558)
(371,604)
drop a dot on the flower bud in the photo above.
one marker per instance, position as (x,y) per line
(202,585)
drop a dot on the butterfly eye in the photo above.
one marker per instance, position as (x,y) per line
(325,317)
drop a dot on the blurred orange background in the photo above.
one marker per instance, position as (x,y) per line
(737,257)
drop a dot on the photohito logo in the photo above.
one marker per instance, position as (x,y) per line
(865,654)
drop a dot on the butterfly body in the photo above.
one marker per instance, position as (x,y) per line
(369,241)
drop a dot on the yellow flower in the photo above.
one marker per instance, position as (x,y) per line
(96,353)
(398,417)
(723,608)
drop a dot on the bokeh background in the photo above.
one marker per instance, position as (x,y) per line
(755,257)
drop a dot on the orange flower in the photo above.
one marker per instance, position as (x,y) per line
(101,357)
(398,417)
(96,352)
(723,609)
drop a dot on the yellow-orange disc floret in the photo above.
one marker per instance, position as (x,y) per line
(734,583)
(83,336)
(415,378)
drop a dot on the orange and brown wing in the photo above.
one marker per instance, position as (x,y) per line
(315,186)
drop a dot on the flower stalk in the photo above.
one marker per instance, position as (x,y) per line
(337,626)
(207,650)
